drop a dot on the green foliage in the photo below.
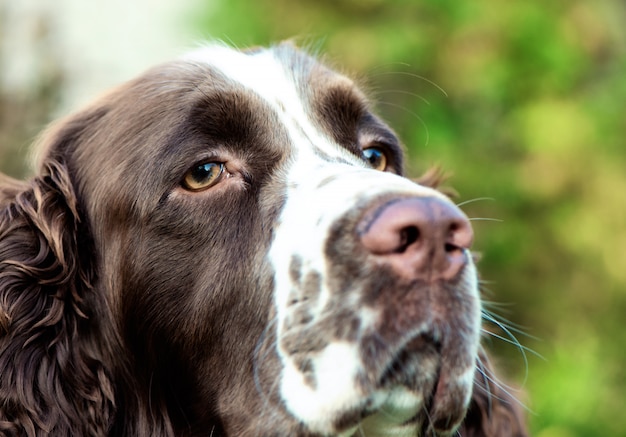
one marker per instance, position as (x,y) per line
(533,117)
(524,102)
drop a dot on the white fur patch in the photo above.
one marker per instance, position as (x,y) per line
(302,230)
(335,368)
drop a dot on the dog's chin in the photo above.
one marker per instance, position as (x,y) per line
(423,378)
(405,394)
(401,411)
(395,411)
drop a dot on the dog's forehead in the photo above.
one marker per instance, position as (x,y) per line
(280,74)
(324,106)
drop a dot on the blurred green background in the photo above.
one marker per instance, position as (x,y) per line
(524,103)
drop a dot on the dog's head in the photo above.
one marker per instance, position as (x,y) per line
(246,257)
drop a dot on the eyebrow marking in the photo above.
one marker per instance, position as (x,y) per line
(277,82)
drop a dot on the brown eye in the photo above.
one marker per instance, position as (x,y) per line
(203,176)
(376,158)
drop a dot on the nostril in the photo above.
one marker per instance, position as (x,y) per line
(408,236)
(420,236)
(448,247)
(456,232)
(460,235)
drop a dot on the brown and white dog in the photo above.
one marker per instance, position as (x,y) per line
(225,246)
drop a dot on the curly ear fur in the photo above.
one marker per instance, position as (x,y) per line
(493,411)
(53,377)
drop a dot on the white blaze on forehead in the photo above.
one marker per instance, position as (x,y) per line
(266,74)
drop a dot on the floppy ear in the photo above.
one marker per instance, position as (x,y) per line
(493,411)
(53,379)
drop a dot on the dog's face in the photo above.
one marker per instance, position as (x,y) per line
(264,261)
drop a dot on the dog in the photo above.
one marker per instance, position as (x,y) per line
(226,246)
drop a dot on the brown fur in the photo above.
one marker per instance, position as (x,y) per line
(107,324)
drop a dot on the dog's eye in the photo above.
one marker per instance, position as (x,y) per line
(203,176)
(376,158)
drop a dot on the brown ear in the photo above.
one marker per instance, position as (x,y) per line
(493,411)
(53,379)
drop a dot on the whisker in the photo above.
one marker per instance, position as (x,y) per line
(509,328)
(511,339)
(429,421)
(417,76)
(374,70)
(513,327)
(485,219)
(514,343)
(420,119)
(477,199)
(493,317)
(407,93)
(272,390)
(496,304)
(485,372)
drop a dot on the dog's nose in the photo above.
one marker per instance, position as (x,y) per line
(421,237)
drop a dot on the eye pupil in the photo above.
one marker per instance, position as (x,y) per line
(203,176)
(376,158)
(204,172)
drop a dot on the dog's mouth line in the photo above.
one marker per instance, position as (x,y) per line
(405,361)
